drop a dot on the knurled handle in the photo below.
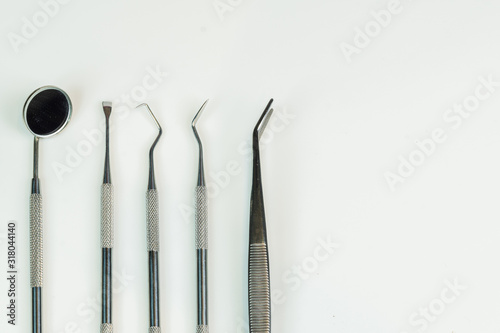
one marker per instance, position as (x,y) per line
(259,297)
(36,240)
(154,329)
(202,329)
(201,217)
(153,219)
(106,328)
(107,216)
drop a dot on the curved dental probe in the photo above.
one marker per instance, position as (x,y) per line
(201,171)
(151,183)
(153,235)
(201,222)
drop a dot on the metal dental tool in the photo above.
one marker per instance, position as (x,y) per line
(259,297)
(107,233)
(153,236)
(46,112)
(201,217)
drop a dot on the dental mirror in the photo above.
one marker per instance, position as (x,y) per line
(46,112)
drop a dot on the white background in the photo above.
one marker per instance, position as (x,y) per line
(323,171)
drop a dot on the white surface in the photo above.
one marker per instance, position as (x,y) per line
(323,172)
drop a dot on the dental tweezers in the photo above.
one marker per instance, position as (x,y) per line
(259,297)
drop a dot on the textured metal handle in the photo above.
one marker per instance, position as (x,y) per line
(202,329)
(107,216)
(153,220)
(106,328)
(201,217)
(36,240)
(259,296)
(107,243)
(153,238)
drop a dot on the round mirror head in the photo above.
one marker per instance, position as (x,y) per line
(47,111)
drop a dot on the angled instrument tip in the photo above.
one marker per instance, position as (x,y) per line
(195,121)
(151,182)
(201,176)
(264,120)
(198,115)
(107,106)
(152,115)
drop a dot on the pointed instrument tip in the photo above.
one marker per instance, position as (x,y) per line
(264,119)
(198,114)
